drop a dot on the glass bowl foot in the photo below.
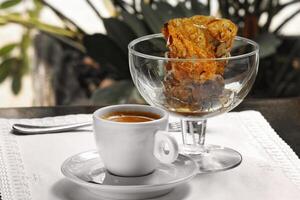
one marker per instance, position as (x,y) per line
(213,158)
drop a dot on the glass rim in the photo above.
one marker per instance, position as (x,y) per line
(158,35)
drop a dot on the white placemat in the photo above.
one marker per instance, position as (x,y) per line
(30,165)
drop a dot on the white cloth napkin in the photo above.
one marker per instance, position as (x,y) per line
(30,165)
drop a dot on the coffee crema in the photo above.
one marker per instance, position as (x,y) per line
(131,116)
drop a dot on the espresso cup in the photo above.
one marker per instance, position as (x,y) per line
(133,148)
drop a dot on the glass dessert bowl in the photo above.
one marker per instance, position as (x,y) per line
(178,86)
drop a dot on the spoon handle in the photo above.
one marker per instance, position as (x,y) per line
(24,129)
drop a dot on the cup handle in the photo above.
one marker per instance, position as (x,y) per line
(165,147)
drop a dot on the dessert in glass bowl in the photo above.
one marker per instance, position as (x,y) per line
(196,69)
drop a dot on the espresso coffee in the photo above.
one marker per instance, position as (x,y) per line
(131,116)
(129,138)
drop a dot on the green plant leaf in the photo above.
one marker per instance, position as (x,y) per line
(34,23)
(165,11)
(3,22)
(51,29)
(119,32)
(13,68)
(38,7)
(6,67)
(16,83)
(7,49)
(24,45)
(70,42)
(108,54)
(4,72)
(134,23)
(182,10)
(199,8)
(9,3)
(153,20)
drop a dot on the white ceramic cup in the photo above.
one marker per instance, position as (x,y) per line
(133,149)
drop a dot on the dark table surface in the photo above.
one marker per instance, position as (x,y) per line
(282,114)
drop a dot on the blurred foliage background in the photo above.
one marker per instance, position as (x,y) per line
(74,67)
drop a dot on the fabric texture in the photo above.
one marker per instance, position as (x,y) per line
(30,165)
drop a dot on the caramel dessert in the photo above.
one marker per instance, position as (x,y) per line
(192,84)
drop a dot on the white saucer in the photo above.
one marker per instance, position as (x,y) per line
(87,170)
